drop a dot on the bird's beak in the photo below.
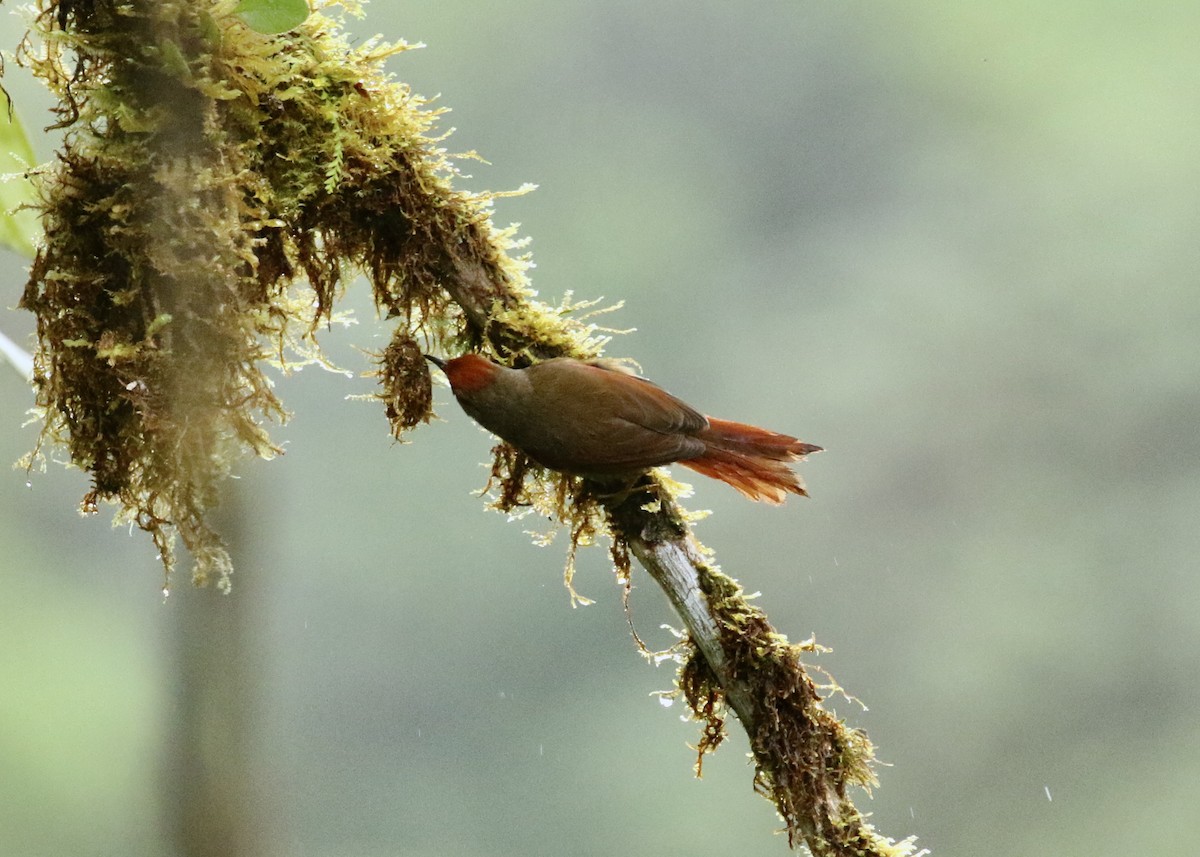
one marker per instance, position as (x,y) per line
(436,361)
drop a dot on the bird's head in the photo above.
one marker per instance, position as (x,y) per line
(467,373)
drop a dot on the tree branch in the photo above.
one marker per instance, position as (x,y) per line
(805,757)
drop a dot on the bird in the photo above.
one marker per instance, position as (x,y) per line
(592,419)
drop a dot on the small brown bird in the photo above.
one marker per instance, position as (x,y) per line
(588,419)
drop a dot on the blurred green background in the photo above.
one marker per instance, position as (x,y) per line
(953,243)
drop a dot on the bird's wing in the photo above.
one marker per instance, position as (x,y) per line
(634,423)
(644,403)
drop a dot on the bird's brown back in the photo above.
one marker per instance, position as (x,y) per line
(586,419)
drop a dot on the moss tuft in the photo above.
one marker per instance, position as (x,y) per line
(407,391)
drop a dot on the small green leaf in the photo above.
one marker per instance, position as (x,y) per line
(272,16)
(19,227)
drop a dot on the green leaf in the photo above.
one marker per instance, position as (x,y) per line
(19,227)
(273,16)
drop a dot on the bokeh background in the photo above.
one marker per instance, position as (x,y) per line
(953,243)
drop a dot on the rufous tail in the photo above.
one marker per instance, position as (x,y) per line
(753,460)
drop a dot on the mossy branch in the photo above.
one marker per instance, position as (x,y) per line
(806,759)
(207,169)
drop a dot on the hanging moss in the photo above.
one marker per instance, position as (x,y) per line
(213,186)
